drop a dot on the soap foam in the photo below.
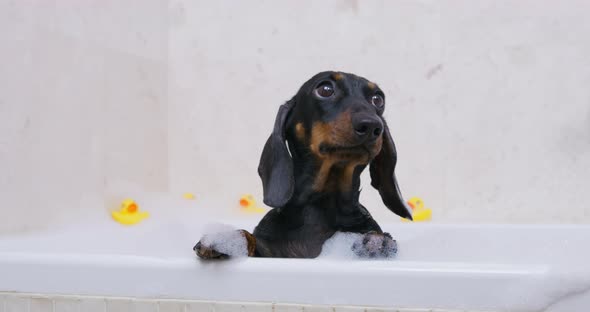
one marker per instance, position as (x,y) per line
(225,239)
(339,246)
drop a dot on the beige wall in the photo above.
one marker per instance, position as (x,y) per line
(488,101)
(82,106)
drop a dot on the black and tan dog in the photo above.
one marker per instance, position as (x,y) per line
(310,167)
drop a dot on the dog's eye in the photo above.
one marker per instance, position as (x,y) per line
(377,100)
(325,89)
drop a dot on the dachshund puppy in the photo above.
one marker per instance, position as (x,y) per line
(323,138)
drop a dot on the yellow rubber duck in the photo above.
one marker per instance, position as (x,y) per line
(248,205)
(129,213)
(419,212)
(189,196)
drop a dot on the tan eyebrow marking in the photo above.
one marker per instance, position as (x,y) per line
(338,76)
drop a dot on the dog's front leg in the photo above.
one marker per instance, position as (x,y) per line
(225,245)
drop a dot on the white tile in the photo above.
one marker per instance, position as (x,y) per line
(41,304)
(141,305)
(90,304)
(317,308)
(445,310)
(258,307)
(375,309)
(15,303)
(229,307)
(349,309)
(199,306)
(119,305)
(171,306)
(67,304)
(280,307)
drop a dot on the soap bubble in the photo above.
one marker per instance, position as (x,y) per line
(339,246)
(225,239)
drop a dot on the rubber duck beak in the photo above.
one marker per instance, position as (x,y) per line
(247,201)
(132,208)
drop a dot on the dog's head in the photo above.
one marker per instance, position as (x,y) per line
(336,118)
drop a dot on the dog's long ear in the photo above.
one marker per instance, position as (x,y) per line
(276,167)
(383,177)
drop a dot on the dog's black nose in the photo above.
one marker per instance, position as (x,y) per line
(367,128)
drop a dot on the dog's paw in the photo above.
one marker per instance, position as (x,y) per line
(224,245)
(208,252)
(375,245)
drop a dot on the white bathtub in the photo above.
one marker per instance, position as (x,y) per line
(450,267)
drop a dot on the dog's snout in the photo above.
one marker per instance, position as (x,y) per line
(367,127)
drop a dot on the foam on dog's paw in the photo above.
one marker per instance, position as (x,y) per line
(205,252)
(375,245)
(224,240)
(338,246)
